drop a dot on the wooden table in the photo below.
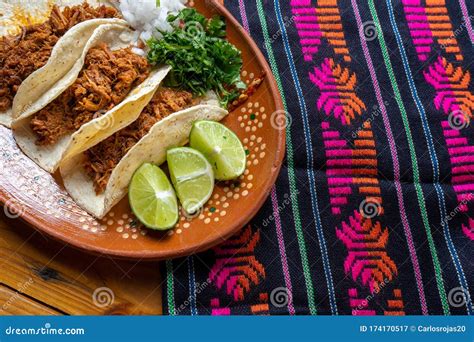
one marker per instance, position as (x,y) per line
(40,276)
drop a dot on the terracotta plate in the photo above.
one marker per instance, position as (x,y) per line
(39,198)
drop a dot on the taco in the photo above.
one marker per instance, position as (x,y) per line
(99,177)
(28,48)
(59,114)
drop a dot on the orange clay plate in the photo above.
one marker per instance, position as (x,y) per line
(39,198)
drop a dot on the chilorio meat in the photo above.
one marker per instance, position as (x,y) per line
(23,54)
(105,80)
(103,158)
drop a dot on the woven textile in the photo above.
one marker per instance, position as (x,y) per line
(373,211)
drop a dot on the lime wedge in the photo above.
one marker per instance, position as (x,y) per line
(152,198)
(192,177)
(221,147)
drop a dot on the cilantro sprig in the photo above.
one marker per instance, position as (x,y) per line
(200,56)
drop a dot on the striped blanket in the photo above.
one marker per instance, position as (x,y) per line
(373,211)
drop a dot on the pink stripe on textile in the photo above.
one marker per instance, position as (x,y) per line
(243,15)
(419,25)
(462,179)
(463,200)
(300,3)
(339,153)
(339,172)
(422,41)
(310,49)
(461,150)
(340,191)
(416,17)
(218,311)
(456,141)
(334,143)
(412,2)
(466,197)
(303,10)
(309,34)
(358,302)
(340,180)
(339,201)
(307,26)
(339,162)
(463,169)
(464,188)
(310,41)
(410,9)
(422,49)
(363,312)
(281,246)
(330,134)
(306,18)
(468,229)
(451,133)
(421,33)
(467,19)
(325,125)
(462,159)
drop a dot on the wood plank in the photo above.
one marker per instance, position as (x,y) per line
(65,278)
(15,303)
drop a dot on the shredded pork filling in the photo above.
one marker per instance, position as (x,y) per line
(23,54)
(105,80)
(104,157)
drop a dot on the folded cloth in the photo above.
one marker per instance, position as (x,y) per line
(373,211)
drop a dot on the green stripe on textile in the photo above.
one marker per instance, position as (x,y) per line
(170,287)
(416,174)
(291,169)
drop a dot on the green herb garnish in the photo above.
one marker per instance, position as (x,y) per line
(200,57)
